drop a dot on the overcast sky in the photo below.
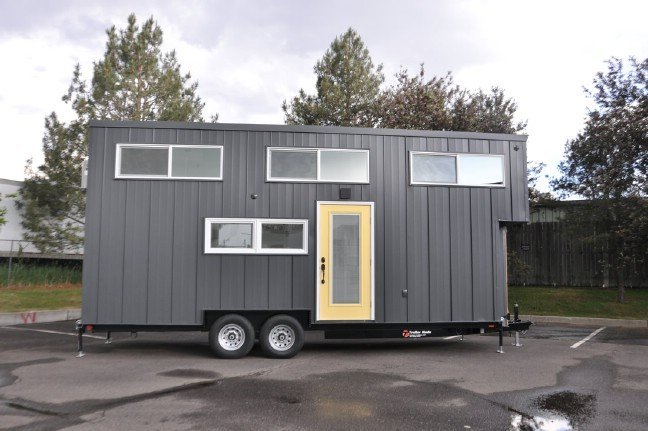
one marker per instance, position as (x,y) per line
(248,56)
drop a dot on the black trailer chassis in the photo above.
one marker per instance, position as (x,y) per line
(301,320)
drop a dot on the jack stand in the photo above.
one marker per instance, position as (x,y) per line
(108,339)
(79,327)
(517,339)
(501,335)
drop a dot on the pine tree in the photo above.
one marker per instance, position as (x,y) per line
(347,85)
(133,81)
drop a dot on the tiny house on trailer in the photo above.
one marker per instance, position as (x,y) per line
(262,232)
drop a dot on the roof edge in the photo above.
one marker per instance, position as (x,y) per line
(308,129)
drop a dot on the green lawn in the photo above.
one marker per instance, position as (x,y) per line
(548,301)
(579,302)
(40,274)
(52,297)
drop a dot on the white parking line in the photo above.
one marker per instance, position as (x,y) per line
(589,337)
(47,331)
(451,337)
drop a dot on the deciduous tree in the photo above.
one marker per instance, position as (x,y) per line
(607,163)
(134,80)
(415,102)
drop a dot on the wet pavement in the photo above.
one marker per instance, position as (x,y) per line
(171,381)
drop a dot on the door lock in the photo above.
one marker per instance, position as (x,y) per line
(323,268)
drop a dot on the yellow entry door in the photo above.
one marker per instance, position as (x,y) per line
(344,261)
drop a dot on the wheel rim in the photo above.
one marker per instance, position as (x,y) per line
(281,337)
(231,337)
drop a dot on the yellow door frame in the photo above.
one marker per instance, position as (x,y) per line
(318,262)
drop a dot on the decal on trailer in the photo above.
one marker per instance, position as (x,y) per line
(415,334)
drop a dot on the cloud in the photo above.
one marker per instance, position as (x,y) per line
(248,56)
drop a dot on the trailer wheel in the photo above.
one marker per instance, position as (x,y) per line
(281,336)
(231,336)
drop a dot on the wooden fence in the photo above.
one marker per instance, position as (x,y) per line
(549,254)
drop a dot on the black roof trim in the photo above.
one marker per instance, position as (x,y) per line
(307,129)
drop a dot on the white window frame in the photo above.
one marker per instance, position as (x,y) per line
(256,236)
(318,151)
(168,176)
(457,157)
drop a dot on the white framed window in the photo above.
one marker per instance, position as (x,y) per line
(155,161)
(460,169)
(256,236)
(321,165)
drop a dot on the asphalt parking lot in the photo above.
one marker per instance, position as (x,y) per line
(172,382)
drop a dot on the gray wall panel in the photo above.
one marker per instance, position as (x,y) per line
(460,254)
(482,254)
(395,172)
(185,252)
(418,278)
(439,254)
(160,270)
(439,244)
(232,282)
(376,193)
(519,187)
(280,282)
(502,196)
(93,225)
(303,284)
(112,231)
(210,198)
(234,174)
(210,204)
(138,196)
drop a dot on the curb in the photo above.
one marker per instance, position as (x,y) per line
(38,316)
(587,321)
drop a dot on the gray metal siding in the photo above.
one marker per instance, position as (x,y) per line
(144,239)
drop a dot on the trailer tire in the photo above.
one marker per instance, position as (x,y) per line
(231,336)
(281,336)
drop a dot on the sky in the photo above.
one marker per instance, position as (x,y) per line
(248,56)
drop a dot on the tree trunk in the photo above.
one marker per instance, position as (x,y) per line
(621,293)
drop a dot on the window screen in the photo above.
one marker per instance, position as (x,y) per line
(282,236)
(344,166)
(196,162)
(231,235)
(481,170)
(142,161)
(299,165)
(429,168)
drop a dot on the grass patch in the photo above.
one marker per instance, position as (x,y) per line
(39,274)
(47,297)
(579,302)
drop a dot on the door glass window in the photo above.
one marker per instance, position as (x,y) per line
(345,256)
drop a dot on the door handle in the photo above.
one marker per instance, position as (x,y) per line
(323,268)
